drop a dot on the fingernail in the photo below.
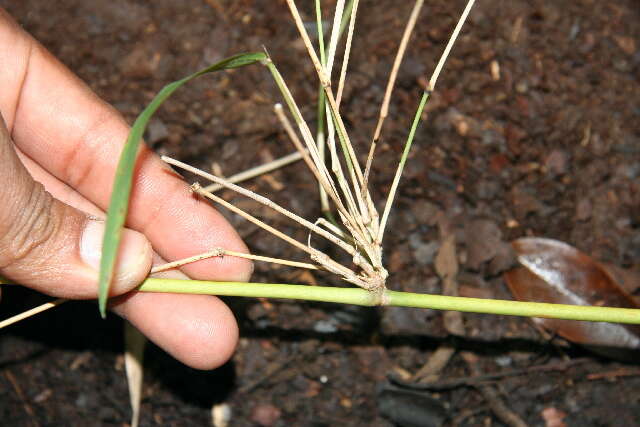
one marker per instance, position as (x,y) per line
(134,259)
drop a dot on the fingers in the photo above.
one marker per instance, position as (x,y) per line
(53,247)
(198,330)
(78,139)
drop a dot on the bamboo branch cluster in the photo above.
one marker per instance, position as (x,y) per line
(358,228)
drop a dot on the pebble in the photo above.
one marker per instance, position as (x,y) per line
(556,163)
(325,326)
(265,415)
(156,131)
(423,252)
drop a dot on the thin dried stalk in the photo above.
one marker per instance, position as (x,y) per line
(263,200)
(447,49)
(366,211)
(408,30)
(423,101)
(326,83)
(324,177)
(26,314)
(320,138)
(272,260)
(335,33)
(174,264)
(259,170)
(322,259)
(286,124)
(349,213)
(347,52)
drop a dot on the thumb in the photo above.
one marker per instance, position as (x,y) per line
(52,247)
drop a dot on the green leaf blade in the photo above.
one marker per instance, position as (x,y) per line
(119,203)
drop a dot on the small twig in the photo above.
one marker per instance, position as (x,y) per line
(437,361)
(258,170)
(347,52)
(263,200)
(447,49)
(293,136)
(416,119)
(333,40)
(321,258)
(497,405)
(270,371)
(270,259)
(622,372)
(174,264)
(474,380)
(384,108)
(25,404)
(25,314)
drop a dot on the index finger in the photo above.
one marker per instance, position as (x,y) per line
(57,121)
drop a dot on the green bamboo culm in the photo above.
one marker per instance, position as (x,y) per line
(357,296)
(118,206)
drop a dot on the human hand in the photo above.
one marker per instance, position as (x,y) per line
(59,147)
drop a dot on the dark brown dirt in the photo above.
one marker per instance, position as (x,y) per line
(550,147)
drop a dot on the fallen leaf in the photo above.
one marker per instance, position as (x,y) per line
(555,272)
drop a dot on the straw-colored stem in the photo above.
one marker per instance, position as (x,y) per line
(326,83)
(293,136)
(347,52)
(259,170)
(416,119)
(333,40)
(447,49)
(271,260)
(324,79)
(25,314)
(322,259)
(397,299)
(357,178)
(324,177)
(263,200)
(320,138)
(175,264)
(384,108)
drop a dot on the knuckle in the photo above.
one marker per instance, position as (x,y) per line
(29,226)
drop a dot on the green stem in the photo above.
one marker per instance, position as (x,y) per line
(403,160)
(358,296)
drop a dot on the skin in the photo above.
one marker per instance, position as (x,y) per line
(59,145)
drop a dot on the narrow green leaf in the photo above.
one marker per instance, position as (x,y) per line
(119,204)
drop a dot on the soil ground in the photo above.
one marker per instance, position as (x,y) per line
(548,146)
